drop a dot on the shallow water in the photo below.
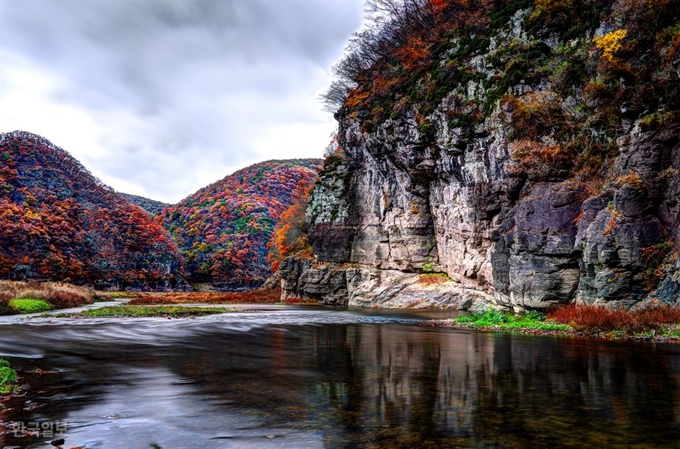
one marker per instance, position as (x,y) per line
(301,377)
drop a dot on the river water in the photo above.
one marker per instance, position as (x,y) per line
(307,377)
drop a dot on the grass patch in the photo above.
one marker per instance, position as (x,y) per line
(502,320)
(8,377)
(260,296)
(145,311)
(29,305)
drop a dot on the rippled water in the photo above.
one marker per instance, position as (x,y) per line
(297,377)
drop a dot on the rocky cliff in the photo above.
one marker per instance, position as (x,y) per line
(546,173)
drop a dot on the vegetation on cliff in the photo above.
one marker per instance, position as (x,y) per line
(611,59)
(59,222)
(8,377)
(223,229)
(289,236)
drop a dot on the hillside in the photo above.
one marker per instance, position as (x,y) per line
(527,149)
(223,229)
(153,207)
(59,222)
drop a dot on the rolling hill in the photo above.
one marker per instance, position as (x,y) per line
(58,222)
(223,229)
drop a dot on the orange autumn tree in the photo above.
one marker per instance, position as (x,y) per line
(290,233)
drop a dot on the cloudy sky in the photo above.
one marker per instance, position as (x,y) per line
(161,97)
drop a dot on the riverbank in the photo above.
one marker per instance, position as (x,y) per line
(660,323)
(259,296)
(144,311)
(17,297)
(31,298)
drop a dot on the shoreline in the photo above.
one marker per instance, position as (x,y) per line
(606,336)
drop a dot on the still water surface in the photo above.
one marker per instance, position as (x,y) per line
(300,377)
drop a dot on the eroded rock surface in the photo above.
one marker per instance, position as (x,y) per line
(413,195)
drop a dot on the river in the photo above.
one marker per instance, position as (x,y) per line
(309,377)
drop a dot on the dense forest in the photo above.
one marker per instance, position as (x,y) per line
(223,230)
(59,222)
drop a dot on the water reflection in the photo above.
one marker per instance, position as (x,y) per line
(341,380)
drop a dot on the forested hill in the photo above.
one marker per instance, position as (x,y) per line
(223,229)
(59,222)
(153,207)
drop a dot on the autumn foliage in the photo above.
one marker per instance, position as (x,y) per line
(569,74)
(153,207)
(290,233)
(592,318)
(223,229)
(59,222)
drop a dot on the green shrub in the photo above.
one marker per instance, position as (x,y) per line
(489,318)
(8,377)
(530,320)
(29,305)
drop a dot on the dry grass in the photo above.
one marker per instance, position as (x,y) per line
(590,318)
(57,294)
(260,296)
(301,301)
(433,278)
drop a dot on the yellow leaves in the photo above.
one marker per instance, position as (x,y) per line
(32,215)
(610,44)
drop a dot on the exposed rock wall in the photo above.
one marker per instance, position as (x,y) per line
(501,240)
(405,199)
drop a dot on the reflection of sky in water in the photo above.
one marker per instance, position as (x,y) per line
(161,408)
(308,377)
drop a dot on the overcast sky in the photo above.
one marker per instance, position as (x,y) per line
(162,97)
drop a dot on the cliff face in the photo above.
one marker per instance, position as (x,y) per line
(506,204)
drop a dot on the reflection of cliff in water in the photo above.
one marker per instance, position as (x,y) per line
(401,386)
(351,385)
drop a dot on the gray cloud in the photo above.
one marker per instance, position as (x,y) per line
(182,90)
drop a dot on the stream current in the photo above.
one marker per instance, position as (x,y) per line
(308,377)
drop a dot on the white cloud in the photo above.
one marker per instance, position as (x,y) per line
(160,98)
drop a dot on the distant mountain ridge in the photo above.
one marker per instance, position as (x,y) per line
(59,222)
(153,207)
(223,229)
